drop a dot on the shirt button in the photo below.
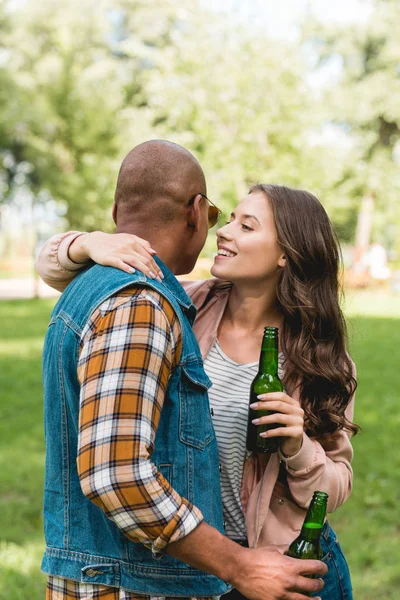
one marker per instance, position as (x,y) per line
(281,501)
(224,523)
(220,467)
(212,412)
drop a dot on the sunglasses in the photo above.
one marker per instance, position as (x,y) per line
(213,211)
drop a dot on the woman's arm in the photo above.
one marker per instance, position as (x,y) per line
(64,255)
(322,466)
(54,264)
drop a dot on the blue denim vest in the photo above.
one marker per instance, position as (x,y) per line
(81,542)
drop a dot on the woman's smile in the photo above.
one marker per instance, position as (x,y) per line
(224,252)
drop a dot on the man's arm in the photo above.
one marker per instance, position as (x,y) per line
(258,573)
(129,348)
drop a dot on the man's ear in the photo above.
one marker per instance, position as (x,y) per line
(114,213)
(282,261)
(194,213)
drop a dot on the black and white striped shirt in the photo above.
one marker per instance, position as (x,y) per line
(229,401)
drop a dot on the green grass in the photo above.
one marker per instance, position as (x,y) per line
(368,525)
(21,448)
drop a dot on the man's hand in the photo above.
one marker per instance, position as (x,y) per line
(266,574)
(258,573)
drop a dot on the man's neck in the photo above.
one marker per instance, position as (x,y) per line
(160,242)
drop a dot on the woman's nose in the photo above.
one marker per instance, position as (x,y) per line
(224,231)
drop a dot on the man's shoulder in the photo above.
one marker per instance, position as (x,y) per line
(136,295)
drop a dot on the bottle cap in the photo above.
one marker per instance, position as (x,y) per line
(271,331)
(320,495)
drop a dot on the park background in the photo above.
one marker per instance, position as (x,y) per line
(291,92)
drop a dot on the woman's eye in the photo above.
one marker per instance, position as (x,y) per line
(246,227)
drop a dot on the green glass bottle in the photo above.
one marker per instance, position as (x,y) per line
(307,544)
(265,381)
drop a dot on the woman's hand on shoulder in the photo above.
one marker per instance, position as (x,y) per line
(288,416)
(124,251)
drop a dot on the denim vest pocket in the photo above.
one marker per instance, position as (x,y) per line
(195,424)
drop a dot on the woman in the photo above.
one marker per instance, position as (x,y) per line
(277,265)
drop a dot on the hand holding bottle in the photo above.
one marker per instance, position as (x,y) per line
(287,415)
(266,574)
(258,573)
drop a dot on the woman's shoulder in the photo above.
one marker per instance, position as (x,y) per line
(204,289)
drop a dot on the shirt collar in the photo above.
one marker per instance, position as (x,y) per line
(173,285)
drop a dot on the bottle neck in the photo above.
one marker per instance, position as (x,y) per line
(314,521)
(311,534)
(269,356)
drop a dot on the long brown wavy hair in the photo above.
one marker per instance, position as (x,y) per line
(314,334)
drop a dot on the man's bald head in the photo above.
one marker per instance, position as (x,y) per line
(156,179)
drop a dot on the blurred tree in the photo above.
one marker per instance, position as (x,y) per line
(11,152)
(363,102)
(241,103)
(95,79)
(69,92)
(74,99)
(88,81)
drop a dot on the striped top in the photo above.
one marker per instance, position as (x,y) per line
(229,401)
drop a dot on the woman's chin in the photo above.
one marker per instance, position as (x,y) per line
(218,270)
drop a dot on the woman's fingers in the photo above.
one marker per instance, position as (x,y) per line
(285,414)
(284,425)
(131,263)
(278,405)
(278,396)
(147,260)
(279,418)
(143,264)
(121,250)
(120,264)
(292,432)
(138,259)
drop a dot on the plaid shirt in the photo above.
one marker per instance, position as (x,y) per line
(128,349)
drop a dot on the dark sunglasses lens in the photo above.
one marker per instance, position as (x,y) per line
(213,215)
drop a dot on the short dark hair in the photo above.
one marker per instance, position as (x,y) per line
(157,178)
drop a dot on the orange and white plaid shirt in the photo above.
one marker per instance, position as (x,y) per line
(128,349)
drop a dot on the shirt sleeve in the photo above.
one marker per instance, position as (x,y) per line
(128,351)
(324,466)
(53,263)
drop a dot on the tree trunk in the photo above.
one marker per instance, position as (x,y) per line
(364,227)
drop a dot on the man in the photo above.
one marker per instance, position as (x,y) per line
(132,495)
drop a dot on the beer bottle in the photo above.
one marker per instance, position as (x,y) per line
(265,381)
(307,544)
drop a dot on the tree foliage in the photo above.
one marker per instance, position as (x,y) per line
(363,102)
(83,82)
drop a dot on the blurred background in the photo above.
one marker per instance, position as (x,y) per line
(302,93)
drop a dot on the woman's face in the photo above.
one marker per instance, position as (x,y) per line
(248,247)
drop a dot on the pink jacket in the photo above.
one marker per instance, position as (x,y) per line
(274,511)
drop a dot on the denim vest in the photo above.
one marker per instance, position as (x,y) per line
(81,542)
